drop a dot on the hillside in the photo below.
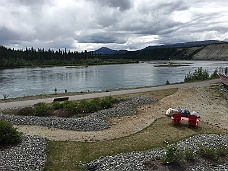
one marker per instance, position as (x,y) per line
(202,50)
(187,44)
(213,52)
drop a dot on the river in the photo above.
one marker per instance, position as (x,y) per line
(33,81)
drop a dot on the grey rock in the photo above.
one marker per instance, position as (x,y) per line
(30,154)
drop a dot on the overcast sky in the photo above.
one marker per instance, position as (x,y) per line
(117,24)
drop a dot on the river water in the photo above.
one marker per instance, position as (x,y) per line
(33,81)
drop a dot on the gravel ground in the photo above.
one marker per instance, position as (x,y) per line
(136,160)
(30,154)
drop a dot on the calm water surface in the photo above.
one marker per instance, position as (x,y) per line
(33,81)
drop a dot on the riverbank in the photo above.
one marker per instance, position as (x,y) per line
(30,102)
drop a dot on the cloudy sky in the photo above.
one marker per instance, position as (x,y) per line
(117,24)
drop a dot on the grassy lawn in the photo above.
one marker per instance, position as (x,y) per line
(67,155)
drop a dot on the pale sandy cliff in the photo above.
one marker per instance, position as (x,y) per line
(211,52)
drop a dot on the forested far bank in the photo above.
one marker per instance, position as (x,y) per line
(30,57)
(40,57)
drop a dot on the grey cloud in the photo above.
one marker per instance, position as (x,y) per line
(116,23)
(121,4)
(163,7)
(101,37)
(29,2)
(6,35)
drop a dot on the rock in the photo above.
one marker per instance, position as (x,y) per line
(30,154)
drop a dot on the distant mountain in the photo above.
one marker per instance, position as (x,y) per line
(105,50)
(108,51)
(187,44)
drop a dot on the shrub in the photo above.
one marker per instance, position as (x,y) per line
(172,155)
(70,106)
(189,155)
(57,105)
(199,74)
(8,134)
(26,111)
(222,151)
(214,74)
(5,96)
(107,102)
(94,105)
(84,106)
(167,82)
(208,152)
(41,109)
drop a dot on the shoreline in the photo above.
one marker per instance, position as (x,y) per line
(17,104)
(45,96)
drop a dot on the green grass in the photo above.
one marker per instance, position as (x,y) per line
(66,155)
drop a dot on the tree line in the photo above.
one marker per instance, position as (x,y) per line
(40,57)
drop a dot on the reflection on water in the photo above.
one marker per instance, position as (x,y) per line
(32,81)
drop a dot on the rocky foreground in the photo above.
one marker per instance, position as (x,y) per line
(30,154)
(136,160)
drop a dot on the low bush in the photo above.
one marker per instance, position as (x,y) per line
(8,134)
(167,82)
(107,102)
(94,105)
(213,153)
(214,74)
(41,109)
(222,151)
(199,74)
(173,155)
(26,111)
(70,106)
(84,106)
(57,105)
(189,155)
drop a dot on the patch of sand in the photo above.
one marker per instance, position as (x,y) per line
(212,109)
